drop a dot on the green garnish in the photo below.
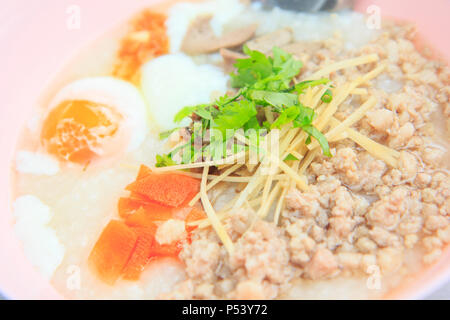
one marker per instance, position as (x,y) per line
(327,97)
(164,160)
(291,157)
(263,82)
(302,86)
(165,134)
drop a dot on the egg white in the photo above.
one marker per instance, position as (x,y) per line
(117,94)
(174,81)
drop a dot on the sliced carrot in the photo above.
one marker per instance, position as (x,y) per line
(148,214)
(141,254)
(144,171)
(158,212)
(165,250)
(127,206)
(112,250)
(139,197)
(124,248)
(170,189)
(194,215)
(140,219)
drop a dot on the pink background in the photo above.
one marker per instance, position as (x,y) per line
(35,43)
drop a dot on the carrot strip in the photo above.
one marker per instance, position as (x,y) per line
(157,212)
(165,250)
(139,219)
(148,214)
(170,189)
(112,251)
(127,206)
(144,171)
(141,253)
(125,247)
(194,215)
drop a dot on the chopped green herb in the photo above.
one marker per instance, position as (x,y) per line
(316,134)
(287,115)
(235,115)
(263,82)
(164,160)
(327,97)
(291,157)
(275,99)
(166,134)
(302,86)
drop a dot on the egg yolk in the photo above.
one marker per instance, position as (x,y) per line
(75,130)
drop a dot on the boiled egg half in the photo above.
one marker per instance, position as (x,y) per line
(93,118)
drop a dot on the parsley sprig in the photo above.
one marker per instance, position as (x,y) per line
(262,82)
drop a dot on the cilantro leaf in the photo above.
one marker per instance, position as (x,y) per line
(202,110)
(253,123)
(183,113)
(234,115)
(285,67)
(275,99)
(312,131)
(204,113)
(257,66)
(166,134)
(302,86)
(287,115)
(291,157)
(262,72)
(164,160)
(263,82)
(305,117)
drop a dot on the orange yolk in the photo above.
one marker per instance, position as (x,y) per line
(75,130)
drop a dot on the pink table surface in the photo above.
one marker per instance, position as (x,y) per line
(35,43)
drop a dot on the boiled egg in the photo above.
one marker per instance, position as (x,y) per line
(174,81)
(93,118)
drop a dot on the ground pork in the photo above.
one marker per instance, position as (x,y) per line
(359,212)
(262,253)
(322,264)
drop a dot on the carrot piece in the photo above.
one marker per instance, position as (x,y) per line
(158,212)
(141,253)
(170,189)
(128,206)
(112,250)
(165,250)
(139,197)
(194,215)
(144,171)
(148,214)
(139,219)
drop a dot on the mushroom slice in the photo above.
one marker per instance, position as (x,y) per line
(229,55)
(266,42)
(200,37)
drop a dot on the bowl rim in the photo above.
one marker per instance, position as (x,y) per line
(424,283)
